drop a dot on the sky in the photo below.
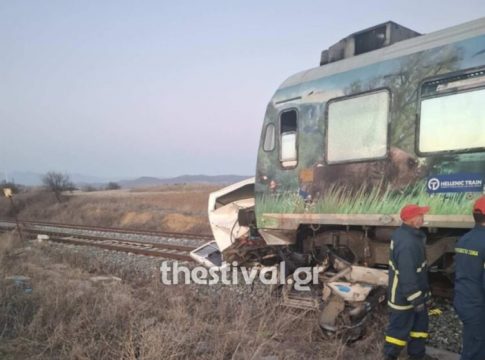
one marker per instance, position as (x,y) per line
(121,89)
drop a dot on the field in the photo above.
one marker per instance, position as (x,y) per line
(169,208)
(68,315)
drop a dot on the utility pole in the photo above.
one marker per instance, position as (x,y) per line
(9,195)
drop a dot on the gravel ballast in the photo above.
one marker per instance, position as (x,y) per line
(445,329)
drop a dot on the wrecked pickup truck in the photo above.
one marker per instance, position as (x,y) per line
(342,292)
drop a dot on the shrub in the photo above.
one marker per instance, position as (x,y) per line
(113,186)
(89,188)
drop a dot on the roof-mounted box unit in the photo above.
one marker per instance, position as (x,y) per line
(367,40)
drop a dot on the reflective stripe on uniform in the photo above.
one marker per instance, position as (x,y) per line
(466,251)
(399,307)
(418,335)
(394,281)
(394,287)
(395,341)
(391,264)
(414,296)
(422,267)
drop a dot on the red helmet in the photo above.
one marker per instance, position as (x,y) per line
(413,210)
(479,205)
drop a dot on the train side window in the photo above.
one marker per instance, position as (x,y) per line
(357,127)
(269,138)
(452,116)
(288,139)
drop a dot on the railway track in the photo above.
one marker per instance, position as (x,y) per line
(111,239)
(140,248)
(30,223)
(108,238)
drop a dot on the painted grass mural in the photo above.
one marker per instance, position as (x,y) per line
(338,200)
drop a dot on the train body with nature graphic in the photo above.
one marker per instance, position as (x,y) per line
(390,117)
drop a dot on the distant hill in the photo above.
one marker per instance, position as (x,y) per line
(146,181)
(28,178)
(35,179)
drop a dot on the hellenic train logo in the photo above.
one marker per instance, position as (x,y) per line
(455,183)
(433,184)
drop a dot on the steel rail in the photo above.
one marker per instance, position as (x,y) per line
(164,246)
(62,234)
(203,237)
(125,246)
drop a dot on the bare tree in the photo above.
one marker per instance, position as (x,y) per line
(57,183)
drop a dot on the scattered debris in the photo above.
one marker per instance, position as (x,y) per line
(105,279)
(42,237)
(22,282)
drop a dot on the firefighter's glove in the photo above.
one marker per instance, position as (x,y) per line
(419,304)
(435,312)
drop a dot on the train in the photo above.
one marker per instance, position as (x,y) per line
(388,117)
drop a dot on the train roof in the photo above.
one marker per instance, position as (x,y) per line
(413,45)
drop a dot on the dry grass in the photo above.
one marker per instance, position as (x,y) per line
(69,317)
(149,209)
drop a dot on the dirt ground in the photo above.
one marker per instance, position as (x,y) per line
(60,312)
